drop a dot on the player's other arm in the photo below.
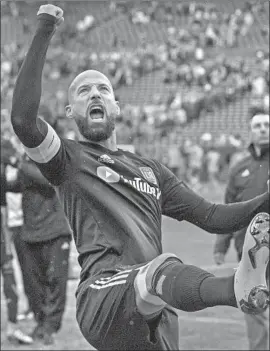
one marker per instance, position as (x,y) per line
(181,203)
(31,131)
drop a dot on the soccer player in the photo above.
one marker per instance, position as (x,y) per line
(114,201)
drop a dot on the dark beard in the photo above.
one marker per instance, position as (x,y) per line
(95,134)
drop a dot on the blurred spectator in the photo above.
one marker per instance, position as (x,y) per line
(248,178)
(174,155)
(194,155)
(43,247)
(13,332)
(44,239)
(15,225)
(85,24)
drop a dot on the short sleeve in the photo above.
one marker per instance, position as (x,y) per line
(55,157)
(61,167)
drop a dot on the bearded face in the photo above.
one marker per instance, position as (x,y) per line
(96,130)
(93,106)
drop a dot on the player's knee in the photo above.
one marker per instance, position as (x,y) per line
(156,267)
(146,299)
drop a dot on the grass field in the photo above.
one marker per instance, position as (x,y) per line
(217,328)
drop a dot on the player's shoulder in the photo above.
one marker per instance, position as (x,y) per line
(136,156)
(73,146)
(145,164)
(150,162)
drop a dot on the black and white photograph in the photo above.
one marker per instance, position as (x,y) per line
(135,175)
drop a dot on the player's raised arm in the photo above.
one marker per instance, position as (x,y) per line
(27,93)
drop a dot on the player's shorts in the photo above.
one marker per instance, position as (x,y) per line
(109,319)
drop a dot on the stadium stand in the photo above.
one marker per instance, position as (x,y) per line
(154,55)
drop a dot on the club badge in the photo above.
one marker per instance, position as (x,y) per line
(148,174)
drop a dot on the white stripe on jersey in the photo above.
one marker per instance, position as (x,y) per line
(98,287)
(116,275)
(122,272)
(47,149)
(116,279)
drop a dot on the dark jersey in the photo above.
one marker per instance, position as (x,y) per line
(114,202)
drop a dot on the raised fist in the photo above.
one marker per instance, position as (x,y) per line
(52,10)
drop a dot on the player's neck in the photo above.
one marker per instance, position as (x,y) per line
(108,144)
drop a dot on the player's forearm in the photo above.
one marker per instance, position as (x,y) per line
(222,219)
(27,91)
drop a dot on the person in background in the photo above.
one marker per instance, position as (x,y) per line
(44,247)
(15,225)
(248,178)
(13,332)
(173,154)
(195,159)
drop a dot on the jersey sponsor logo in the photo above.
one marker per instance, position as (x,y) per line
(142,186)
(110,176)
(148,174)
(105,159)
(246,173)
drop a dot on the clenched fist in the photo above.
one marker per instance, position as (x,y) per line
(54,11)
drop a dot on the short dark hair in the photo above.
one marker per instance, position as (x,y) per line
(256,110)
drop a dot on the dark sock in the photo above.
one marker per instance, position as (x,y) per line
(218,291)
(191,289)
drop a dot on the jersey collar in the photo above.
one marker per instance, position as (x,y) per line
(102,148)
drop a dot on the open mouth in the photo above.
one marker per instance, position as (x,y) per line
(96,113)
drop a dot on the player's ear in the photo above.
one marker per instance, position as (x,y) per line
(68,111)
(118,110)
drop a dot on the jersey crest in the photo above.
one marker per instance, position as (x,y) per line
(148,174)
